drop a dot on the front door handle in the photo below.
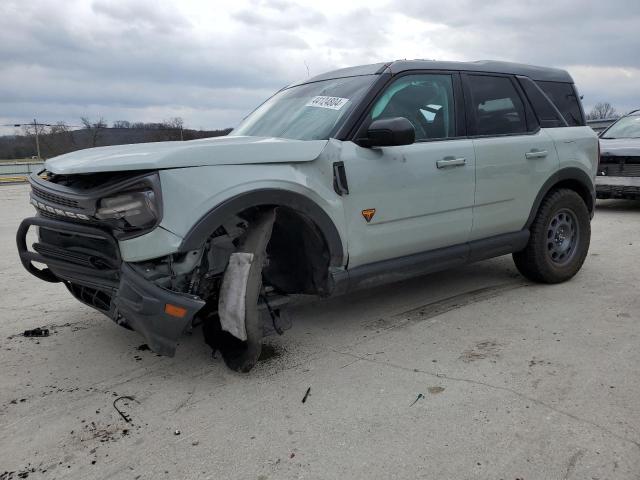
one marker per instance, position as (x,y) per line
(451,162)
(535,153)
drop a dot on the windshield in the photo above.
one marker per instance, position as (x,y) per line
(313,111)
(626,127)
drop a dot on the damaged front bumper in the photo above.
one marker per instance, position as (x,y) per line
(87,260)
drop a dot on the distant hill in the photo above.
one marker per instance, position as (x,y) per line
(60,139)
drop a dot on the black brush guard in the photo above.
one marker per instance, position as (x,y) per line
(100,279)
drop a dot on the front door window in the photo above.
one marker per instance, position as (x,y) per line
(425,100)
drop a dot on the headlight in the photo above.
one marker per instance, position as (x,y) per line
(131,210)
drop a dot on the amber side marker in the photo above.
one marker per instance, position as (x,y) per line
(175,311)
(368,214)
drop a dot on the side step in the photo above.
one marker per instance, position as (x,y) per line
(403,268)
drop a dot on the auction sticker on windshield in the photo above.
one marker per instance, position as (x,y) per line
(333,103)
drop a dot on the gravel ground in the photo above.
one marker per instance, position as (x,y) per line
(470,373)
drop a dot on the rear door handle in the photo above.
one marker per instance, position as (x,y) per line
(451,162)
(535,153)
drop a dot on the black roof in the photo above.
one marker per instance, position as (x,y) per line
(485,66)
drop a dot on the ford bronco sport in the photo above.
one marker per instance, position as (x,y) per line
(350,179)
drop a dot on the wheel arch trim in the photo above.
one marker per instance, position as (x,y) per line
(566,175)
(203,228)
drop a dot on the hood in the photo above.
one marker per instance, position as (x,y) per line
(620,147)
(193,153)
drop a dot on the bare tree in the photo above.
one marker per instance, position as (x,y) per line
(602,110)
(175,122)
(175,128)
(94,128)
(54,139)
(121,124)
(33,131)
(59,139)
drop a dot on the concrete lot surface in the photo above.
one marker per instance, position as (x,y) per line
(469,374)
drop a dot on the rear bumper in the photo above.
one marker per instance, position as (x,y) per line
(105,282)
(617,187)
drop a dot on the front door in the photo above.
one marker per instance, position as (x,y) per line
(412,198)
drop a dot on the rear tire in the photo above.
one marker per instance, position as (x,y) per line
(559,241)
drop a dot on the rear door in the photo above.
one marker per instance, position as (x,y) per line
(514,156)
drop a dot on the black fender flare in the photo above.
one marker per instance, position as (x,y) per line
(222,212)
(573,174)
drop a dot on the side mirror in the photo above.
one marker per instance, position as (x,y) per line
(388,132)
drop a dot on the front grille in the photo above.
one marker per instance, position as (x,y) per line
(620,166)
(96,298)
(48,214)
(621,170)
(619,159)
(78,248)
(82,258)
(54,198)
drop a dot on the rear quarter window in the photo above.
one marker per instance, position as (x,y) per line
(547,114)
(565,98)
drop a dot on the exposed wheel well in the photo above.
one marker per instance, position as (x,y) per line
(267,198)
(298,254)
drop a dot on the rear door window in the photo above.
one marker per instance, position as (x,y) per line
(564,96)
(496,106)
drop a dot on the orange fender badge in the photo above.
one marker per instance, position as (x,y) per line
(368,214)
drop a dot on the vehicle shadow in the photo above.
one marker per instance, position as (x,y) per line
(327,319)
(349,315)
(318,326)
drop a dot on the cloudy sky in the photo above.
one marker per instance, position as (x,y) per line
(212,61)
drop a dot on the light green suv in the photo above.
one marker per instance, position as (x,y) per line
(353,178)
